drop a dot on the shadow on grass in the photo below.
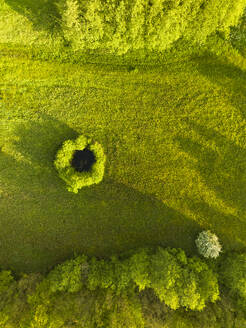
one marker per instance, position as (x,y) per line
(43,14)
(223,170)
(238,37)
(43,224)
(228,76)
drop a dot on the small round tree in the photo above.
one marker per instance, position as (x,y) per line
(80,163)
(208,244)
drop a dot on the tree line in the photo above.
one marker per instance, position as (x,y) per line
(118,26)
(151,288)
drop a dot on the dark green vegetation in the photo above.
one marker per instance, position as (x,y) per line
(80,163)
(233,275)
(128,292)
(173,127)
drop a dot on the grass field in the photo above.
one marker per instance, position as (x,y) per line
(175,138)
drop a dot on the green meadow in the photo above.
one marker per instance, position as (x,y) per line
(155,236)
(173,128)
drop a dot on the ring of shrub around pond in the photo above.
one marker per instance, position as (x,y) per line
(80,163)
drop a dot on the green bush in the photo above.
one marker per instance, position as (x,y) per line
(69,276)
(6,279)
(140,269)
(182,282)
(101,274)
(121,311)
(113,274)
(14,307)
(233,275)
(76,180)
(208,244)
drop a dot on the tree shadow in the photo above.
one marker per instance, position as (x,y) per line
(226,75)
(238,36)
(43,224)
(221,164)
(38,140)
(43,14)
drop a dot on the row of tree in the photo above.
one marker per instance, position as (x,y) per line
(121,25)
(148,289)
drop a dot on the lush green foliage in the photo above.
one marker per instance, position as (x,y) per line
(208,244)
(14,307)
(140,269)
(69,276)
(233,275)
(222,314)
(179,281)
(77,180)
(140,24)
(90,293)
(84,309)
(6,279)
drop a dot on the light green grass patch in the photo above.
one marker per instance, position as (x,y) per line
(173,129)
